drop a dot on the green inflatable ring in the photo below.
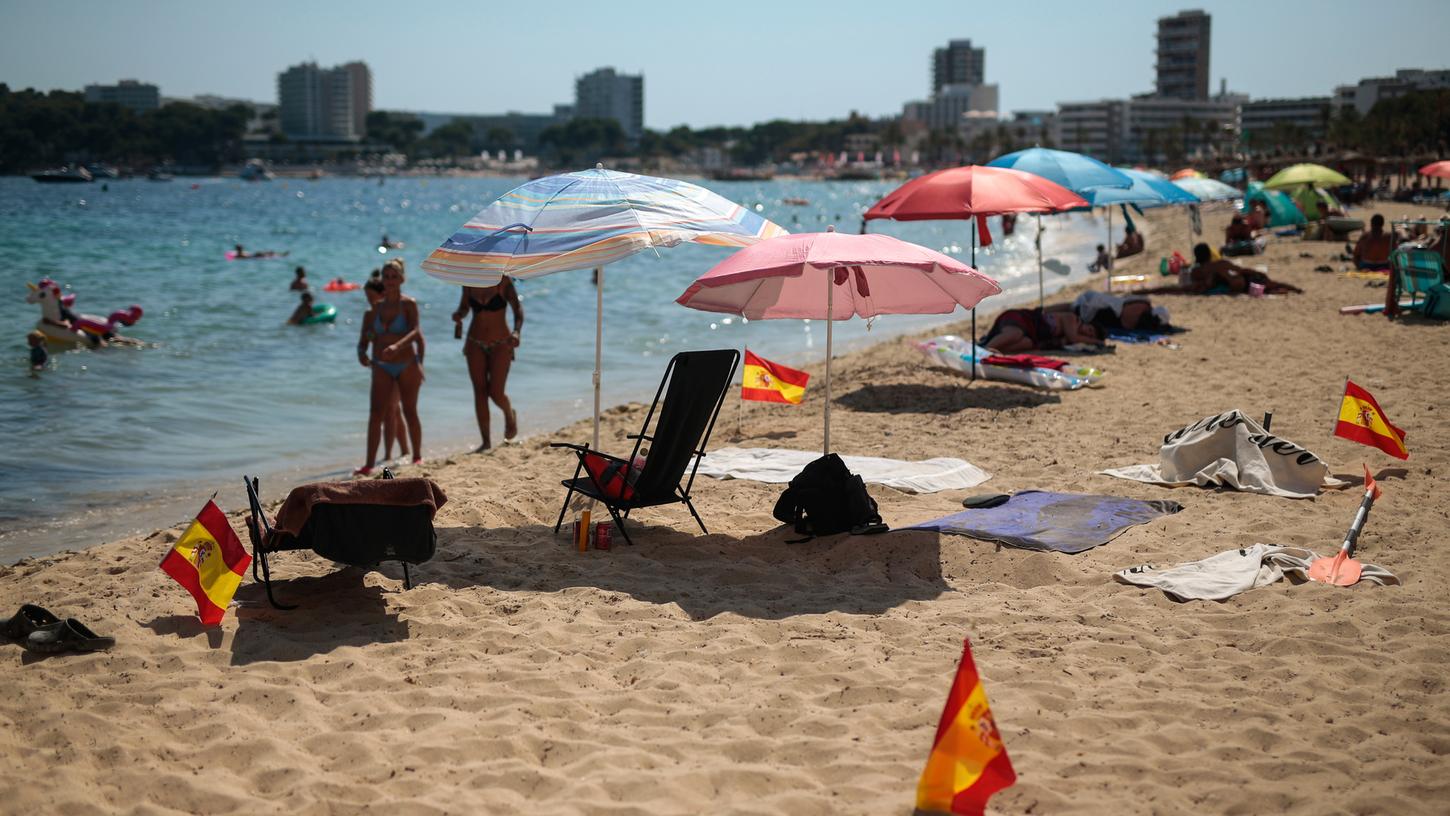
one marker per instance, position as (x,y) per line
(321,313)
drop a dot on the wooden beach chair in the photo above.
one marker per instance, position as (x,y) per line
(697,383)
(357,523)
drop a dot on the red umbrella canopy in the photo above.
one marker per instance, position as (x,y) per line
(1439,169)
(964,192)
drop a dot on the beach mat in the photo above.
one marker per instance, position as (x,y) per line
(1053,522)
(1222,576)
(775,466)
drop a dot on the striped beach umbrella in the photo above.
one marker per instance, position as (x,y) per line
(586,220)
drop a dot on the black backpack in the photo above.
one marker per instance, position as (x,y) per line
(826,498)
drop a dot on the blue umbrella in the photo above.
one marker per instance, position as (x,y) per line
(1147,190)
(1209,190)
(1074,171)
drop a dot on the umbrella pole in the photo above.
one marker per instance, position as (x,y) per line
(830,291)
(1110,248)
(1041,297)
(598,342)
(974,308)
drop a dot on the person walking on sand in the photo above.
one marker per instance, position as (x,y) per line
(391,328)
(489,349)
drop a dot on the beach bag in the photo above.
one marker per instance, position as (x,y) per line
(826,498)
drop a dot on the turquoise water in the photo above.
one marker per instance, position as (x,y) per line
(109,443)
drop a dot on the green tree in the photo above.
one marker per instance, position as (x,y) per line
(584,141)
(399,131)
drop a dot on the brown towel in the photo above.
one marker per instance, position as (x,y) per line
(387,492)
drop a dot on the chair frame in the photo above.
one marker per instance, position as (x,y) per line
(619,509)
(259,530)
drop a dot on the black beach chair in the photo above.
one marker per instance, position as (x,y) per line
(698,382)
(355,532)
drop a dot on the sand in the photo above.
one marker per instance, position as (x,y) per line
(736,673)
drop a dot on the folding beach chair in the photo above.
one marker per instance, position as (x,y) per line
(1421,271)
(698,381)
(360,524)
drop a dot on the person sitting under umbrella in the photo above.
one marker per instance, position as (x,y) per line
(1372,251)
(1132,242)
(1018,330)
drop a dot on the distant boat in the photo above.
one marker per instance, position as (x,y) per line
(255,170)
(742,174)
(64,175)
(157,174)
(103,171)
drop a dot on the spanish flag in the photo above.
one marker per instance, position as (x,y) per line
(771,382)
(209,561)
(968,762)
(1362,420)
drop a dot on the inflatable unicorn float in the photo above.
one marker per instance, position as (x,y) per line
(63,327)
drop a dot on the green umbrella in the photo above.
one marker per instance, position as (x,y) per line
(1316,174)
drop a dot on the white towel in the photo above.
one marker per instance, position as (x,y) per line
(1225,575)
(780,466)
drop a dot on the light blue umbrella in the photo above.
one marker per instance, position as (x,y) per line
(1074,171)
(1209,190)
(1146,190)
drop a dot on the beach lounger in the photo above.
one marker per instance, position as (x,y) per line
(697,382)
(357,523)
(1417,272)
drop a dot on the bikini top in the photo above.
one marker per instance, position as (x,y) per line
(494,304)
(399,325)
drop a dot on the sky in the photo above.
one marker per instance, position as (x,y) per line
(704,64)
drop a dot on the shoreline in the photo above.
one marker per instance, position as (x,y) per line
(154,508)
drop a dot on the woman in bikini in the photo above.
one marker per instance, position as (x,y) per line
(1018,330)
(392,328)
(393,427)
(489,348)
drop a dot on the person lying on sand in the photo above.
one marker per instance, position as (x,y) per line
(1221,277)
(1018,330)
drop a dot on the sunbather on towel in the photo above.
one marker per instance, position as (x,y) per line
(1018,330)
(1220,276)
(1108,312)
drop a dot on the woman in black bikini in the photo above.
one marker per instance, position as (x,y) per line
(489,349)
(396,361)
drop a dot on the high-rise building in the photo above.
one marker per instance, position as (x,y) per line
(1370,90)
(128,93)
(948,108)
(361,81)
(604,94)
(322,104)
(958,64)
(1183,45)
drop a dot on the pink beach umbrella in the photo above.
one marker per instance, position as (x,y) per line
(1439,169)
(832,276)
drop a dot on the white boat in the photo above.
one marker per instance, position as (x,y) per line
(64,175)
(255,170)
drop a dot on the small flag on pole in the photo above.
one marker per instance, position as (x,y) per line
(968,762)
(765,381)
(209,561)
(1362,420)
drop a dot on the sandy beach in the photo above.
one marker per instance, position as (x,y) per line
(736,673)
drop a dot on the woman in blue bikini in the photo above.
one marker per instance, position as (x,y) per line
(392,328)
(489,349)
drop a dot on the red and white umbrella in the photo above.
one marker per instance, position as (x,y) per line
(833,276)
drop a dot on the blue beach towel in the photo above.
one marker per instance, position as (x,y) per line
(1057,522)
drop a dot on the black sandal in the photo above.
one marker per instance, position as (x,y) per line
(69,635)
(27,620)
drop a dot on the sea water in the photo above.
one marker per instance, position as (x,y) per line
(108,443)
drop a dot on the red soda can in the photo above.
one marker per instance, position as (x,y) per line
(603,534)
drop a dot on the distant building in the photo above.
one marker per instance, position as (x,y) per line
(264,114)
(1033,128)
(360,81)
(958,64)
(321,104)
(1183,45)
(604,94)
(1258,119)
(128,93)
(1147,128)
(1370,90)
(946,108)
